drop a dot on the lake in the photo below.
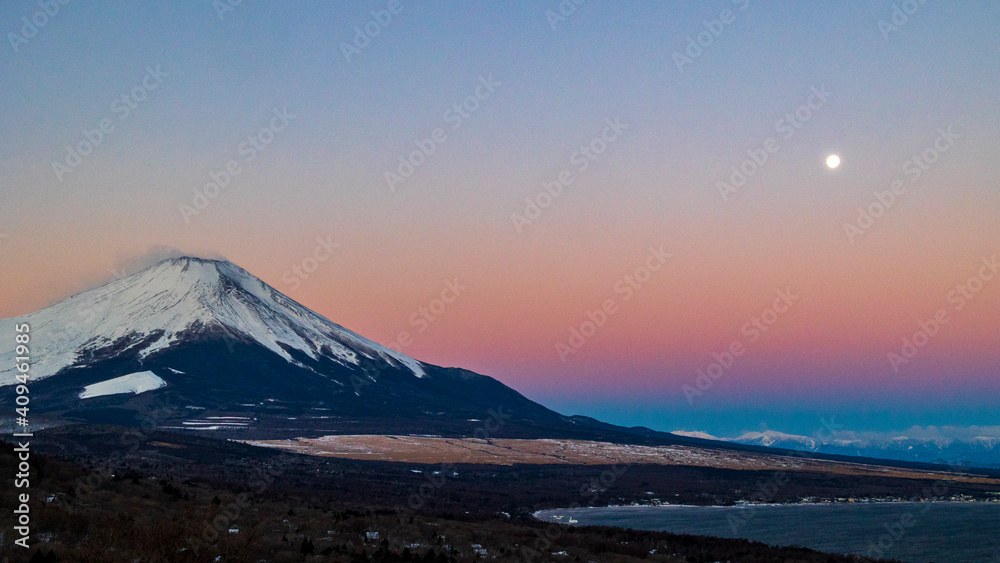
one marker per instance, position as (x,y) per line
(915,532)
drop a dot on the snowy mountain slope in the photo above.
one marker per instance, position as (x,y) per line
(695,434)
(153,309)
(770,438)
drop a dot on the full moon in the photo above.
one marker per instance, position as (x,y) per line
(833,161)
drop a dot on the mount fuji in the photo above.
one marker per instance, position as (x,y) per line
(215,348)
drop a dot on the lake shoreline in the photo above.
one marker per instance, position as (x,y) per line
(762,504)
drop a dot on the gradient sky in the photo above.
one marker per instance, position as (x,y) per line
(891,93)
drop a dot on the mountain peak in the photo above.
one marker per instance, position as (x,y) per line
(188,261)
(183,263)
(192,269)
(190,298)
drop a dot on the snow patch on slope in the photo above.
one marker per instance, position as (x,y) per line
(132,383)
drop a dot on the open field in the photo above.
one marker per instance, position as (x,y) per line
(431,450)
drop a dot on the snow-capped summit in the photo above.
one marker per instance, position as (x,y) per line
(180,298)
(986,442)
(771,438)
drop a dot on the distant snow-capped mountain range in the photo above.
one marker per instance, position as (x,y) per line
(972,446)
